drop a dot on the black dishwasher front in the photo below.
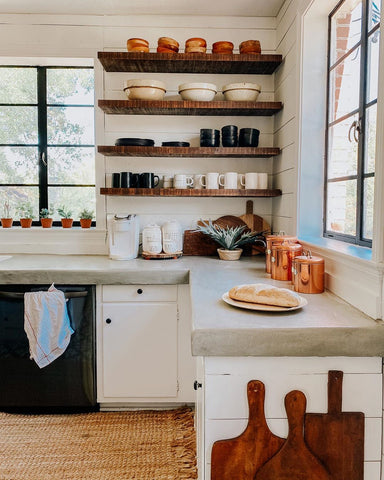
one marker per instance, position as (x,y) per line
(68,383)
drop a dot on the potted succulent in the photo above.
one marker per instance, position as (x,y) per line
(230,239)
(25,211)
(66,217)
(86,218)
(46,219)
(6,220)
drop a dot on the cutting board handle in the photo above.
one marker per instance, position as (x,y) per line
(249,207)
(256,399)
(295,405)
(335,391)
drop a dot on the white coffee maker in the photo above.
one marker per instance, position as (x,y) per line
(123,236)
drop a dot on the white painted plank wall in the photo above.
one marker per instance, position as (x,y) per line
(83,36)
(285,122)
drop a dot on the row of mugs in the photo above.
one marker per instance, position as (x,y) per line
(215,180)
(210,180)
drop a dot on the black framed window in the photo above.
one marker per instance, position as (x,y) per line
(47,146)
(353,61)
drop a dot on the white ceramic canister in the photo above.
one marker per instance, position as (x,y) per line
(172,237)
(152,239)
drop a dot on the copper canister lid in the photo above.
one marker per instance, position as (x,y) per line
(286,246)
(309,259)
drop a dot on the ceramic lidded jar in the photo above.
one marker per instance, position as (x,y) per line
(172,237)
(308,274)
(152,239)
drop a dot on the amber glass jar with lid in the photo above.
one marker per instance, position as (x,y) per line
(308,274)
(275,238)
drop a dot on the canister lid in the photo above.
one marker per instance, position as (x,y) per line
(286,246)
(281,237)
(308,259)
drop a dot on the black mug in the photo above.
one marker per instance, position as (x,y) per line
(148,180)
(135,180)
(125,179)
(115,180)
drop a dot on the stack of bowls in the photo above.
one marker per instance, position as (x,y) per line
(224,47)
(198,92)
(249,137)
(209,137)
(195,45)
(137,45)
(144,89)
(241,92)
(167,45)
(250,46)
(229,136)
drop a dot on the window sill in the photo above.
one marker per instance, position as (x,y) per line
(337,247)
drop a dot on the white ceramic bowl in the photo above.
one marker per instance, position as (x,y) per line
(198,92)
(143,89)
(241,92)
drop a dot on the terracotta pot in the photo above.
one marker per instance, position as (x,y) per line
(67,222)
(46,222)
(229,254)
(26,222)
(85,222)
(6,222)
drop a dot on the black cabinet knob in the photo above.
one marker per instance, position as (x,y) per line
(139,291)
(197,385)
(108,320)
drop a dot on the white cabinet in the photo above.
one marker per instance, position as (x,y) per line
(143,345)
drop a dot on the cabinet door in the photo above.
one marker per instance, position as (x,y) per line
(140,350)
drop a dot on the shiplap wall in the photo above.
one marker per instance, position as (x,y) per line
(84,36)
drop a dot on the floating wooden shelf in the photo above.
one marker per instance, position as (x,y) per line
(190,192)
(188,152)
(181,107)
(263,64)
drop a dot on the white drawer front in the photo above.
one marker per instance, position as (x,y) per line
(139,293)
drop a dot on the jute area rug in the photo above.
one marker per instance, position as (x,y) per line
(144,445)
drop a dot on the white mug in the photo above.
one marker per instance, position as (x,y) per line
(182,181)
(196,181)
(262,181)
(228,180)
(210,180)
(250,181)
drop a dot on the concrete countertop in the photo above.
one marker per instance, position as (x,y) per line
(327,326)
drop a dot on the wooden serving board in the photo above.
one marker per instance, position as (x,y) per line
(294,460)
(336,437)
(239,458)
(160,256)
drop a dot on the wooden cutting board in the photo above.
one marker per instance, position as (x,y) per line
(337,438)
(256,224)
(294,460)
(239,458)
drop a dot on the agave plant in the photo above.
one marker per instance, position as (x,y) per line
(229,238)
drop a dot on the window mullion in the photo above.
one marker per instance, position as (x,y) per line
(43,136)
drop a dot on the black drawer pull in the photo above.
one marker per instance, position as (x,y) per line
(108,320)
(139,291)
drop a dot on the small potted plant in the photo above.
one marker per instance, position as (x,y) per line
(230,239)
(25,211)
(46,219)
(86,218)
(66,217)
(6,220)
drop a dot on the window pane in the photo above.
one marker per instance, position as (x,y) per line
(71,165)
(370,138)
(341,207)
(342,154)
(18,85)
(73,198)
(374,13)
(18,125)
(70,125)
(72,86)
(17,195)
(373,65)
(369,191)
(345,28)
(344,87)
(19,165)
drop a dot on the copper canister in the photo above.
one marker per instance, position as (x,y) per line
(275,238)
(308,274)
(281,259)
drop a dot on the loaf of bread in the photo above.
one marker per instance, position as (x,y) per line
(265,294)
